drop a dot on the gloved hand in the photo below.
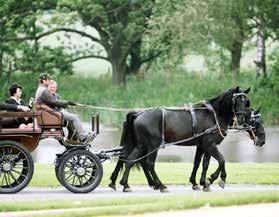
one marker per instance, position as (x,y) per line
(72,103)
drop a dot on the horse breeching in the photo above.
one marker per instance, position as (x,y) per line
(78,169)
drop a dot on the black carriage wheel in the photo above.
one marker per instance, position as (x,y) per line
(56,173)
(80,171)
(16,167)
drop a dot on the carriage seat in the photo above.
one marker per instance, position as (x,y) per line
(50,121)
(21,131)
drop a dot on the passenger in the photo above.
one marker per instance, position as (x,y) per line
(11,122)
(15,99)
(50,98)
(44,81)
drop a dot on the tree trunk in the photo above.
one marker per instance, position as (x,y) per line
(135,61)
(260,60)
(1,63)
(236,52)
(118,73)
(9,78)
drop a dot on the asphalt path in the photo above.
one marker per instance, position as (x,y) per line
(34,193)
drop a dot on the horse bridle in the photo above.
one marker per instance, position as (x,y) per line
(235,113)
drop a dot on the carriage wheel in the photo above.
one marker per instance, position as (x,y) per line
(16,167)
(80,171)
(56,173)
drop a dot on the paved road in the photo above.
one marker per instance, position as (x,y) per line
(61,193)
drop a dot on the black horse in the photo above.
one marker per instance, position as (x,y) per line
(204,126)
(253,125)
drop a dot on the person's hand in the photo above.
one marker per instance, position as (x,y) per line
(72,103)
(23,108)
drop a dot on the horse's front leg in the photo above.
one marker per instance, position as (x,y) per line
(198,156)
(205,163)
(214,152)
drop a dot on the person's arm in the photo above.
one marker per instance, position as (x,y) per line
(48,99)
(4,106)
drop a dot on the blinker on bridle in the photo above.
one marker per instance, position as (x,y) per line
(235,113)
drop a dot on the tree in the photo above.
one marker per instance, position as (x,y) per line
(121,25)
(19,18)
(265,21)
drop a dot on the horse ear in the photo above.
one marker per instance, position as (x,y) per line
(247,90)
(258,110)
(237,89)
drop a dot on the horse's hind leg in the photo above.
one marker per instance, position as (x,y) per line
(129,163)
(147,174)
(205,164)
(115,173)
(198,156)
(151,165)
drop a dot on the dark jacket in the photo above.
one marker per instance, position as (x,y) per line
(4,106)
(12,101)
(52,100)
(8,122)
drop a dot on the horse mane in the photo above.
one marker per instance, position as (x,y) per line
(222,103)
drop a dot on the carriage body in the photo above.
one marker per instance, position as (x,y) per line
(16,163)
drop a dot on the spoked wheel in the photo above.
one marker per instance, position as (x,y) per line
(80,171)
(16,167)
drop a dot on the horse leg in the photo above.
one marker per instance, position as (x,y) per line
(129,163)
(115,173)
(222,182)
(151,166)
(197,161)
(147,174)
(205,164)
(214,152)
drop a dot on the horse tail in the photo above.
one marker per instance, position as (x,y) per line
(128,139)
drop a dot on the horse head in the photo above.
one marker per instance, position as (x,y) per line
(240,103)
(256,132)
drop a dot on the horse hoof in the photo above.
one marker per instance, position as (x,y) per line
(196,188)
(128,189)
(112,186)
(221,183)
(207,183)
(156,187)
(164,190)
(206,189)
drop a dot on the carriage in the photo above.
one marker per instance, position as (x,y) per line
(78,169)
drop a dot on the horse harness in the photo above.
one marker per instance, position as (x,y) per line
(195,134)
(215,128)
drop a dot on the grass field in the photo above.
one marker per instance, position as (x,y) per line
(135,205)
(176,173)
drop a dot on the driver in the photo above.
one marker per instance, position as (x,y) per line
(51,99)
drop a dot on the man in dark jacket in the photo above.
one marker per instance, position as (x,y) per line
(51,99)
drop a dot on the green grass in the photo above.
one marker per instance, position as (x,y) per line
(175,173)
(140,204)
